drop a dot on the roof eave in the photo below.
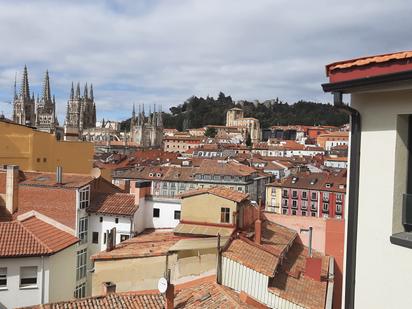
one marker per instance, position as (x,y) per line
(353,84)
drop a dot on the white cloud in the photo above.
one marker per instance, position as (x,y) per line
(165,51)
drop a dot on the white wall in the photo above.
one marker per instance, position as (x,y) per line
(167,208)
(123,226)
(383,270)
(336,164)
(14,296)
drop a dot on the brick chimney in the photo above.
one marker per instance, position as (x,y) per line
(12,188)
(140,189)
(258,226)
(108,288)
(170,297)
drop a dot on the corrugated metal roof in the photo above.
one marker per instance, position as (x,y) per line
(194,229)
(196,244)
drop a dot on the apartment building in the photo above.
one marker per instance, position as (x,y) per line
(62,197)
(332,139)
(378,248)
(181,143)
(37,262)
(309,194)
(171,181)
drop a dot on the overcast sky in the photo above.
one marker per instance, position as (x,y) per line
(148,51)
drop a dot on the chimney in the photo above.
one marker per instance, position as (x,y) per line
(12,188)
(170,296)
(111,239)
(140,189)
(108,288)
(313,268)
(59,175)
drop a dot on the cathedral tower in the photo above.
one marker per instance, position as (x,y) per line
(23,104)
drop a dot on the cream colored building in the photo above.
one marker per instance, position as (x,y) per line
(235,118)
(273,198)
(33,150)
(378,245)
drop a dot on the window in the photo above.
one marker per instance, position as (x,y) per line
(44,160)
(224,215)
(314,196)
(313,214)
(294,204)
(313,206)
(84,197)
(101,219)
(285,203)
(95,237)
(284,211)
(285,193)
(104,238)
(339,209)
(3,277)
(325,207)
(239,189)
(116,220)
(304,213)
(304,195)
(80,291)
(273,191)
(156,212)
(338,197)
(293,212)
(326,196)
(28,277)
(177,214)
(81,264)
(83,229)
(294,194)
(304,205)
(124,237)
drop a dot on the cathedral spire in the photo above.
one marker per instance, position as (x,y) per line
(134,112)
(91,92)
(86,92)
(159,118)
(72,92)
(154,121)
(77,91)
(46,88)
(25,90)
(15,86)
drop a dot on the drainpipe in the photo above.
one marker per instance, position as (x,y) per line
(352,211)
(42,279)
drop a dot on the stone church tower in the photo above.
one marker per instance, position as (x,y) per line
(46,109)
(80,114)
(146,131)
(23,104)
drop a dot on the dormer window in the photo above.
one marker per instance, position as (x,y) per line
(313,181)
(328,185)
(294,179)
(150,174)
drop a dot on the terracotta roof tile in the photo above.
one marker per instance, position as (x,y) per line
(358,62)
(113,204)
(32,237)
(223,192)
(49,180)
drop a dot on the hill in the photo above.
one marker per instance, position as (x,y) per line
(197,112)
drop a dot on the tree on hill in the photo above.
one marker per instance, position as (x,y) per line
(211,132)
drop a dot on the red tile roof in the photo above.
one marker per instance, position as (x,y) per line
(113,204)
(44,179)
(32,237)
(223,192)
(363,61)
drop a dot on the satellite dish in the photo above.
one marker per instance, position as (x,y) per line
(162,285)
(95,173)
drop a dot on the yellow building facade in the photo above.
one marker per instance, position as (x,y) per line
(273,198)
(39,151)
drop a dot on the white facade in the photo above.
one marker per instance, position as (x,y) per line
(383,269)
(336,164)
(331,144)
(55,279)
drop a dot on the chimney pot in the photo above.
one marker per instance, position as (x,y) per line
(59,175)
(111,239)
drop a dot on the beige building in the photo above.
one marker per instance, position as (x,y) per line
(378,247)
(273,198)
(235,118)
(181,143)
(33,150)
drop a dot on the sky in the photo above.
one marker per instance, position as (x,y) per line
(163,52)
